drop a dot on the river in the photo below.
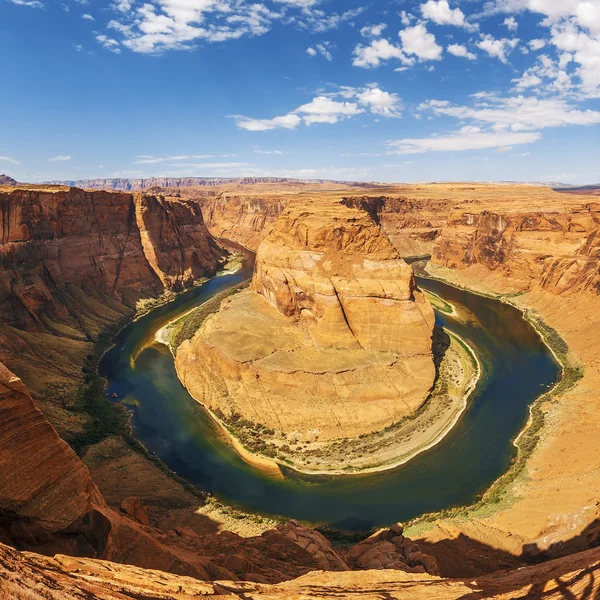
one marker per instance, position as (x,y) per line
(517,368)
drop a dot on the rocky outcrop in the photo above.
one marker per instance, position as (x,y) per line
(333,341)
(8,181)
(74,261)
(25,576)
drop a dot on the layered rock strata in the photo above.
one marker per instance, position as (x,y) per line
(333,341)
(72,262)
(26,576)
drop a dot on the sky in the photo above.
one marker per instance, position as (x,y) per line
(379,90)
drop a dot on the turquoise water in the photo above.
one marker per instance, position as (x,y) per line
(517,367)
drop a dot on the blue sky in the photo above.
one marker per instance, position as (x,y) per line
(353,90)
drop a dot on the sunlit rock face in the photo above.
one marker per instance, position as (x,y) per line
(332,341)
(335,268)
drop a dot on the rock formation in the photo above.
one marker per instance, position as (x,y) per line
(26,576)
(73,262)
(7,181)
(333,341)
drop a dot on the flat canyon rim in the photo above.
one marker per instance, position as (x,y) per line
(517,367)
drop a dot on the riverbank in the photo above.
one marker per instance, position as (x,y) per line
(547,500)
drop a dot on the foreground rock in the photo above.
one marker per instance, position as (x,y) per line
(25,576)
(334,340)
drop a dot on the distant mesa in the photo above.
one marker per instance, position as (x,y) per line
(127,184)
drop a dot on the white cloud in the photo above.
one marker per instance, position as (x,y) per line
(88,17)
(327,109)
(439,12)
(318,21)
(323,49)
(511,23)
(467,138)
(502,149)
(373,31)
(380,102)
(273,152)
(10,160)
(151,160)
(574,28)
(30,3)
(289,121)
(109,43)
(497,48)
(460,50)
(418,41)
(60,158)
(527,80)
(519,113)
(178,24)
(377,52)
(537,44)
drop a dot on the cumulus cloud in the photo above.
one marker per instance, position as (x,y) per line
(88,17)
(574,28)
(511,23)
(419,42)
(439,12)
(460,50)
(345,103)
(377,52)
(60,158)
(498,48)
(537,44)
(373,31)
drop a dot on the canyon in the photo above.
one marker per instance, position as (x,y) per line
(76,261)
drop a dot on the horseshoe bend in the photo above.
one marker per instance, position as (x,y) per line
(326,354)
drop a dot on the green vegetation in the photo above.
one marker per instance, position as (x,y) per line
(187,325)
(103,417)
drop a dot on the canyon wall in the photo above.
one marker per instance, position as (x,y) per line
(334,340)
(73,262)
(557,250)
(245,219)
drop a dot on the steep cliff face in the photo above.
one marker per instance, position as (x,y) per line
(74,261)
(412,224)
(175,240)
(243,219)
(333,341)
(555,249)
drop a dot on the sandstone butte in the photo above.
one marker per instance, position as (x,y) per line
(333,340)
(536,246)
